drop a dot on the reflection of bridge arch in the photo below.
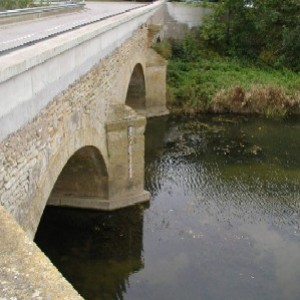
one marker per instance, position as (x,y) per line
(106,247)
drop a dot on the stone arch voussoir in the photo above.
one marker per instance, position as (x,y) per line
(76,140)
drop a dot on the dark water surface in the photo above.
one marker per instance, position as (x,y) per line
(223,221)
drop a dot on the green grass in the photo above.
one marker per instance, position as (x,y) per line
(197,77)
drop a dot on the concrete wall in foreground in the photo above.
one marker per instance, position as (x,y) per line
(26,273)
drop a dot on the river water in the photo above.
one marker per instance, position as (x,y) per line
(222,222)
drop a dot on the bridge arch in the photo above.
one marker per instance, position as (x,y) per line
(85,175)
(80,143)
(136,92)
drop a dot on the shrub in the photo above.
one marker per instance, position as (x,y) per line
(206,81)
(163,48)
(272,101)
(14,4)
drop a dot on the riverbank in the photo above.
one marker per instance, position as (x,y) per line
(201,80)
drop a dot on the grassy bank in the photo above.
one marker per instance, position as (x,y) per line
(202,80)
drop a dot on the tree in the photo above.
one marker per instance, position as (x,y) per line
(259,29)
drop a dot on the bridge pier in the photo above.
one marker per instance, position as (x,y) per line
(156,73)
(125,144)
(86,182)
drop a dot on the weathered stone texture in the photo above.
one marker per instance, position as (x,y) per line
(26,273)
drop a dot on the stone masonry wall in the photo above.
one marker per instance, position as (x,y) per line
(32,158)
(26,273)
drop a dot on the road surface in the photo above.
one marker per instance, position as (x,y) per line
(16,35)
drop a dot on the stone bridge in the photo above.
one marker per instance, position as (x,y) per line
(72,117)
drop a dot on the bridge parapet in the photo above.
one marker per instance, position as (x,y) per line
(32,76)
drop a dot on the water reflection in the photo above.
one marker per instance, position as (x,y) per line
(286,256)
(222,184)
(95,251)
(223,221)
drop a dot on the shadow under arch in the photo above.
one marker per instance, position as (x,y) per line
(136,93)
(96,251)
(84,176)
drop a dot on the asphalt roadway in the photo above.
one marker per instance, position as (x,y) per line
(16,35)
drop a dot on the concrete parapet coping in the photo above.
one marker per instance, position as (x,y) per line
(26,273)
(17,62)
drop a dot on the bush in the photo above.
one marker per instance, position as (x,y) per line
(164,49)
(206,81)
(267,30)
(272,101)
(290,56)
(14,4)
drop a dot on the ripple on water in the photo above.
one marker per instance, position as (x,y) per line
(223,220)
